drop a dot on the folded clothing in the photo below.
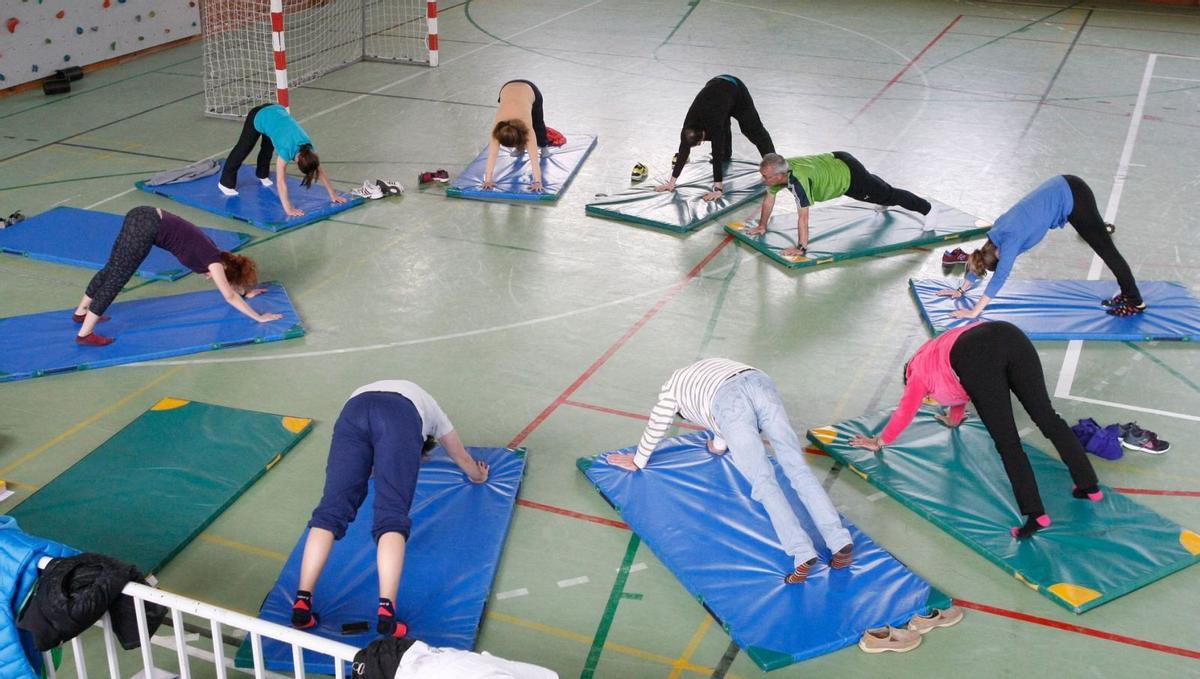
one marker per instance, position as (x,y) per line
(1104,442)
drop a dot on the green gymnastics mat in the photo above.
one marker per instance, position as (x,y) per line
(1092,552)
(684,209)
(847,230)
(145,493)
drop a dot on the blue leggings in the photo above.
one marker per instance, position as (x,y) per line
(380,431)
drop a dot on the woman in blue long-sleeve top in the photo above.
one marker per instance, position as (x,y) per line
(1058,200)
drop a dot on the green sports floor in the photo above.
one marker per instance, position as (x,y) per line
(539,326)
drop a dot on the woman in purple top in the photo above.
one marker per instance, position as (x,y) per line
(1061,199)
(145,227)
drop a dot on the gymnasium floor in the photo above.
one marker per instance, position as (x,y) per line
(538,326)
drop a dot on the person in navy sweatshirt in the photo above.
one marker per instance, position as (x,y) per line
(1058,200)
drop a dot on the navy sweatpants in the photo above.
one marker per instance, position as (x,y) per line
(380,431)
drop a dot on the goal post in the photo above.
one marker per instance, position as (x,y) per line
(254,51)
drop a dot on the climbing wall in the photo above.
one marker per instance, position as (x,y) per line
(38,37)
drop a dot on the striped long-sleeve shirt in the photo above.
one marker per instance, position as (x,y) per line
(690,393)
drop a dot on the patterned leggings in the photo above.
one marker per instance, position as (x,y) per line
(129,251)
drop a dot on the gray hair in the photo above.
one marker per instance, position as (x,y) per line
(773,163)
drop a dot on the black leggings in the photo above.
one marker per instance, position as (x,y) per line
(749,123)
(1086,219)
(539,120)
(871,188)
(992,359)
(245,144)
(128,252)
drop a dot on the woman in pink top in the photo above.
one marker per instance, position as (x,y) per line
(983,363)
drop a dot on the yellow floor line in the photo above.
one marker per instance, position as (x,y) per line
(243,547)
(616,648)
(80,426)
(693,643)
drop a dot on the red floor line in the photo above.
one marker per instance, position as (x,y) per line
(901,72)
(1079,629)
(591,370)
(638,416)
(1152,491)
(572,514)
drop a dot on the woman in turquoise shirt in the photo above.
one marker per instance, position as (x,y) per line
(280,133)
(1058,200)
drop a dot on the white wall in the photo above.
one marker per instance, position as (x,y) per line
(35,40)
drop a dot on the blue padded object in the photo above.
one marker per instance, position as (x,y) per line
(70,235)
(450,561)
(43,344)
(513,175)
(695,512)
(1067,310)
(254,203)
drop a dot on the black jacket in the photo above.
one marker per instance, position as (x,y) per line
(72,593)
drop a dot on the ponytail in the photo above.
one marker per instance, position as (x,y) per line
(308,164)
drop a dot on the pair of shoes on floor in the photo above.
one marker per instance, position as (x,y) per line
(1134,437)
(639,173)
(840,559)
(438,175)
(955,256)
(12,219)
(902,640)
(374,190)
(1121,306)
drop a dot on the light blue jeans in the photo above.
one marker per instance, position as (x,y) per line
(743,407)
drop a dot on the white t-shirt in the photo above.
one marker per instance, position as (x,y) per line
(433,421)
(422,661)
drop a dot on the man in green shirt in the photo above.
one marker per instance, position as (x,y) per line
(826,176)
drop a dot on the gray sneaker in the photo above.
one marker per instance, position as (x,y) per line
(946,617)
(887,639)
(1136,438)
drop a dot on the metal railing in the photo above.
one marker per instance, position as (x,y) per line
(218,619)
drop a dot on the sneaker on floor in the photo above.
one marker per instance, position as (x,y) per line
(555,137)
(955,256)
(226,190)
(938,617)
(889,638)
(267,183)
(1134,437)
(369,190)
(1118,299)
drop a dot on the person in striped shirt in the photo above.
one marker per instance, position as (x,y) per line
(739,405)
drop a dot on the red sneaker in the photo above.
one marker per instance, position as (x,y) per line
(93,340)
(555,137)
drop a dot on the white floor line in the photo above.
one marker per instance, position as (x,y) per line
(1066,376)
(512,594)
(1139,409)
(419,340)
(1177,56)
(573,582)
(1168,77)
(876,497)
(639,566)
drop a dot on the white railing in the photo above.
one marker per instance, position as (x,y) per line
(218,618)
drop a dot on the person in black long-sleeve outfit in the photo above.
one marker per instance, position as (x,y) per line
(722,98)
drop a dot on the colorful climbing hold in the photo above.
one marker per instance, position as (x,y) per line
(112,46)
(12,24)
(153,14)
(79,30)
(66,57)
(107,4)
(61,13)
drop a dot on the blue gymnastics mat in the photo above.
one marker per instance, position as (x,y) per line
(458,532)
(1067,310)
(683,210)
(254,203)
(695,513)
(71,235)
(44,343)
(512,174)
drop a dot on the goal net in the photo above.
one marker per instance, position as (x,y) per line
(248,61)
